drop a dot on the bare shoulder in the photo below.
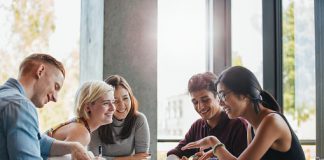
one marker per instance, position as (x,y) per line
(78,132)
(273,119)
(268,134)
(273,123)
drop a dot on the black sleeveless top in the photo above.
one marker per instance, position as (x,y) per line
(294,153)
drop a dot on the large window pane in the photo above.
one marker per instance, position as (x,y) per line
(247,35)
(299,69)
(181,53)
(50,26)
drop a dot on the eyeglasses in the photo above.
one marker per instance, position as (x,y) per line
(222,95)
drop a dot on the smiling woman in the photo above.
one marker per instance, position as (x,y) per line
(129,132)
(94,106)
(123,103)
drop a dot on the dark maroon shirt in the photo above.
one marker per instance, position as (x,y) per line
(231,132)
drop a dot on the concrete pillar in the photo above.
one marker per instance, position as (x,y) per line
(91,40)
(127,42)
(130,49)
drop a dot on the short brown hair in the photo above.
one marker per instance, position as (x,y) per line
(203,81)
(29,62)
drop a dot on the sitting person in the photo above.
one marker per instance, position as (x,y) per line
(94,106)
(213,122)
(270,136)
(128,137)
(39,80)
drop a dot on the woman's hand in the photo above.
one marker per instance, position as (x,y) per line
(203,144)
(206,156)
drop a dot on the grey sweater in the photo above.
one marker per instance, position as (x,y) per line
(137,142)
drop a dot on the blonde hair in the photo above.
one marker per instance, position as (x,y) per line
(89,92)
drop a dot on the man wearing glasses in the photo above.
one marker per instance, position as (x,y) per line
(214,121)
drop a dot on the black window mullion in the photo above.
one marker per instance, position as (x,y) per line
(319,59)
(272,48)
(221,35)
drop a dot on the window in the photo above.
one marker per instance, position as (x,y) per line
(41,26)
(299,70)
(246,27)
(181,53)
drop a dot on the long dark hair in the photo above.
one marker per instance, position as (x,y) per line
(242,81)
(105,131)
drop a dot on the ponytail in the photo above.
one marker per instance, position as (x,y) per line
(269,102)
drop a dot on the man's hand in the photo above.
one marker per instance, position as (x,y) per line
(172,157)
(184,158)
(95,157)
(79,152)
(198,155)
(76,149)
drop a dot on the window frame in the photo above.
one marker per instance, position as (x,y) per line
(272,48)
(220,51)
(319,57)
(272,67)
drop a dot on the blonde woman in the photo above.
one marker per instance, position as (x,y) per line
(94,107)
(128,137)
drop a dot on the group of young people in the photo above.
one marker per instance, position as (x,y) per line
(239,120)
(107,121)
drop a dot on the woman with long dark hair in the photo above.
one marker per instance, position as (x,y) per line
(128,137)
(270,136)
